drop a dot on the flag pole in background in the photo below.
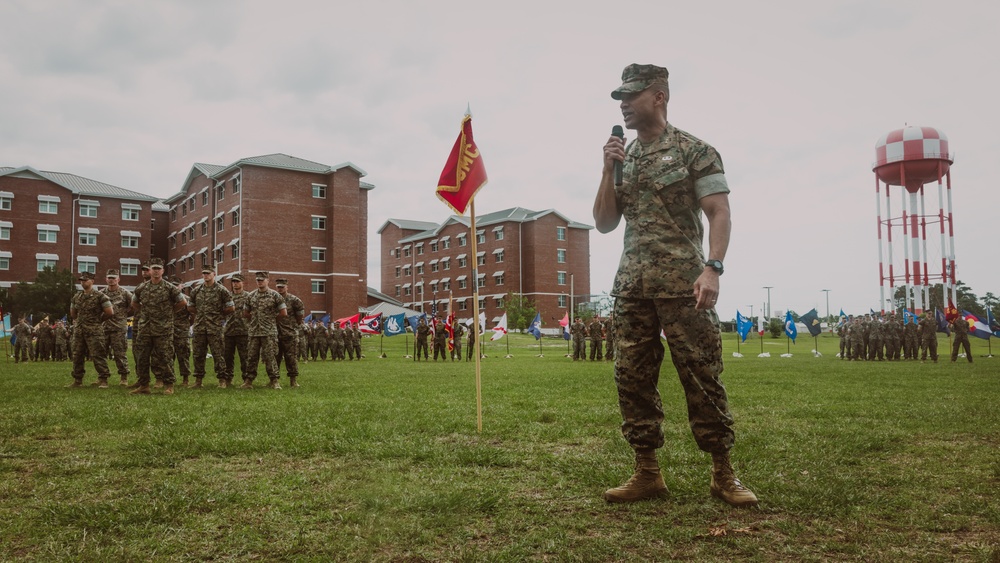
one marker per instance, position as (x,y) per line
(463,176)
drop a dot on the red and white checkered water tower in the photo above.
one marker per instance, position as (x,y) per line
(912,157)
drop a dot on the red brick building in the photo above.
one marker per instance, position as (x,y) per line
(538,254)
(67,221)
(295,218)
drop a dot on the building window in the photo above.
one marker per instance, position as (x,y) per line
(481,281)
(434,288)
(445,243)
(6,202)
(406,271)
(190,262)
(446,264)
(498,233)
(130,214)
(173,214)
(498,254)
(420,249)
(220,192)
(191,234)
(463,305)
(49,207)
(461,240)
(561,255)
(184,209)
(463,262)
(397,271)
(219,256)
(498,302)
(434,246)
(319,222)
(481,236)
(235,216)
(4,263)
(560,233)
(173,242)
(406,251)
(434,266)
(204,198)
(407,290)
(46,263)
(88,239)
(318,254)
(318,286)
(482,303)
(481,258)
(236,185)
(220,223)
(86,267)
(236,250)
(420,289)
(420,269)
(319,191)
(88,209)
(463,283)
(445,286)
(562,301)
(5,230)
(204,228)
(129,270)
(47,234)
(498,278)
(397,291)
(561,278)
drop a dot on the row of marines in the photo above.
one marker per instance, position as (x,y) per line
(879,338)
(601,339)
(42,342)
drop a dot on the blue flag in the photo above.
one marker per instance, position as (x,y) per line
(843,319)
(790,329)
(743,326)
(909,317)
(325,320)
(811,320)
(395,325)
(942,322)
(6,323)
(308,318)
(536,326)
(992,321)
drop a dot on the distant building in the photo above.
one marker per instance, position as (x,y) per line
(297,219)
(537,254)
(67,221)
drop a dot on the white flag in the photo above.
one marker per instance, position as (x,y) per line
(501,329)
(482,323)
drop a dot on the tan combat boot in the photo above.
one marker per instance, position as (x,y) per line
(292,382)
(158,384)
(102,383)
(168,389)
(197,383)
(135,385)
(726,486)
(124,381)
(140,390)
(645,483)
(274,384)
(223,384)
(247,384)
(184,381)
(76,383)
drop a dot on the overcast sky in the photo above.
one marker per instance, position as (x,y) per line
(794,96)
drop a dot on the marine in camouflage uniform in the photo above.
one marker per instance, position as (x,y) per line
(842,333)
(596,339)
(46,340)
(88,309)
(235,331)
(579,333)
(928,337)
(62,340)
(470,347)
(894,337)
(665,283)
(288,338)
(440,341)
(210,304)
(356,341)
(154,303)
(302,332)
(22,344)
(423,331)
(262,309)
(876,339)
(960,328)
(116,328)
(911,339)
(459,332)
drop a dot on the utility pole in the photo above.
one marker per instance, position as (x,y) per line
(768,312)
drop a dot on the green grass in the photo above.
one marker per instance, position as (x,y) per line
(380,460)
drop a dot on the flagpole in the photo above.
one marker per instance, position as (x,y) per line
(381,352)
(475,314)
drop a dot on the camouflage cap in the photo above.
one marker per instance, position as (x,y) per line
(84,276)
(280,282)
(636,78)
(156,263)
(237,278)
(262,275)
(145,265)
(112,273)
(208,269)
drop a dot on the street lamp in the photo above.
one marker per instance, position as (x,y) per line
(827,306)
(768,312)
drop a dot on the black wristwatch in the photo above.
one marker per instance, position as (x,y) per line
(715,265)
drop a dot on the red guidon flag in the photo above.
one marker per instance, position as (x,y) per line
(464,173)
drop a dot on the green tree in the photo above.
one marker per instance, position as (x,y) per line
(50,295)
(776,327)
(520,311)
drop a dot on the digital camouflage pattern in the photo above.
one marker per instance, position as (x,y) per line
(154,345)
(596,339)
(116,328)
(960,331)
(210,303)
(288,338)
(659,198)
(88,337)
(928,337)
(696,351)
(264,307)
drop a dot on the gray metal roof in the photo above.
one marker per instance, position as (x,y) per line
(286,162)
(513,214)
(78,184)
(408,225)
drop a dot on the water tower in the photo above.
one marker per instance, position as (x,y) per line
(912,157)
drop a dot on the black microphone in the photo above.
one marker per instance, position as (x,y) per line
(617,131)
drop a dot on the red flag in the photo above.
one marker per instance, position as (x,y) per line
(449,325)
(951,313)
(464,173)
(349,320)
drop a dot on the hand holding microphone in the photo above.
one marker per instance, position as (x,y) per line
(617,131)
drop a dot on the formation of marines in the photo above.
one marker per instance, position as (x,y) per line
(600,335)
(877,338)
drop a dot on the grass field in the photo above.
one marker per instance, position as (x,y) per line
(380,460)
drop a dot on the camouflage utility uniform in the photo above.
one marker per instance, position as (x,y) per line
(116,330)
(664,181)
(288,337)
(235,335)
(211,304)
(263,307)
(87,310)
(596,339)
(579,334)
(961,329)
(154,348)
(928,337)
